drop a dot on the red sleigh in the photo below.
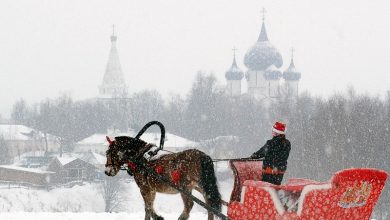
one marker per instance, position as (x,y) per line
(349,194)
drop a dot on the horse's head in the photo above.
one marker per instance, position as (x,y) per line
(120,151)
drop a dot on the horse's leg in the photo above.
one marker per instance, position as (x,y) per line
(188,204)
(209,214)
(149,197)
(146,195)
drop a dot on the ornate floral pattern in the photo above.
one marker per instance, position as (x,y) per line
(316,202)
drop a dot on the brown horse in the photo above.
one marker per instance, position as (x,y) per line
(189,169)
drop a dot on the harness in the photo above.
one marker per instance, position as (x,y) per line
(131,166)
(134,163)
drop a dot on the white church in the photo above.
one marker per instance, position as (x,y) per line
(264,78)
(113,84)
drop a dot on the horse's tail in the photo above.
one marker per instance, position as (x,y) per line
(208,182)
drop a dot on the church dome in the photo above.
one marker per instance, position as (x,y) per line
(272,73)
(291,73)
(234,73)
(262,54)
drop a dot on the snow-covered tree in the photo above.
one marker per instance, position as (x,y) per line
(5,156)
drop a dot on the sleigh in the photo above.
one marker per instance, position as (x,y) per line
(349,194)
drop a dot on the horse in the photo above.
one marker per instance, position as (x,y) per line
(189,169)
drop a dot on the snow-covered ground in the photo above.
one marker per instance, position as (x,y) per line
(89,216)
(86,203)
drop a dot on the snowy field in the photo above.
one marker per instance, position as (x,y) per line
(89,216)
(86,203)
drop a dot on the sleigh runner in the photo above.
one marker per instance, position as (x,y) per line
(349,194)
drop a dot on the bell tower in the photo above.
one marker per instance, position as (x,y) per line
(113,84)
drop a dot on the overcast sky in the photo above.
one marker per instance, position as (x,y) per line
(50,47)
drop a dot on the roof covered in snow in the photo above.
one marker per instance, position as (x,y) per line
(31,170)
(99,139)
(66,159)
(13,132)
(171,140)
(94,158)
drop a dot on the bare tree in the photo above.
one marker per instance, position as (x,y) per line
(111,192)
(20,112)
(145,106)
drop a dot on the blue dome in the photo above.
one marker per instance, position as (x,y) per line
(272,73)
(263,54)
(234,73)
(291,73)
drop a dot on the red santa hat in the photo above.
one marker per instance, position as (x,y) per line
(279,128)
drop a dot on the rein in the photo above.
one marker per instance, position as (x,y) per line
(236,159)
(135,162)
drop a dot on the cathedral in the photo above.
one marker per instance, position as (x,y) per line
(264,78)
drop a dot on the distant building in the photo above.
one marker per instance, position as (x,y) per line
(233,77)
(98,160)
(71,169)
(97,143)
(291,78)
(21,139)
(35,159)
(264,77)
(172,142)
(113,84)
(25,176)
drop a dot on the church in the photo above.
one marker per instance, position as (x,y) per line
(113,84)
(264,78)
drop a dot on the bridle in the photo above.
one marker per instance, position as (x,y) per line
(112,158)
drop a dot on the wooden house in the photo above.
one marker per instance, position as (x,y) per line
(71,169)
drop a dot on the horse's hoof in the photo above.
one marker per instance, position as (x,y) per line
(159,218)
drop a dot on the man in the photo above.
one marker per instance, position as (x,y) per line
(274,153)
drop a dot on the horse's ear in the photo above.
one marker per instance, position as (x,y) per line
(109,140)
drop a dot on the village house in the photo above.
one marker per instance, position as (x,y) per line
(71,169)
(29,177)
(97,142)
(20,139)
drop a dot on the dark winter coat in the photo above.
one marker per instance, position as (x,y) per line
(275,153)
